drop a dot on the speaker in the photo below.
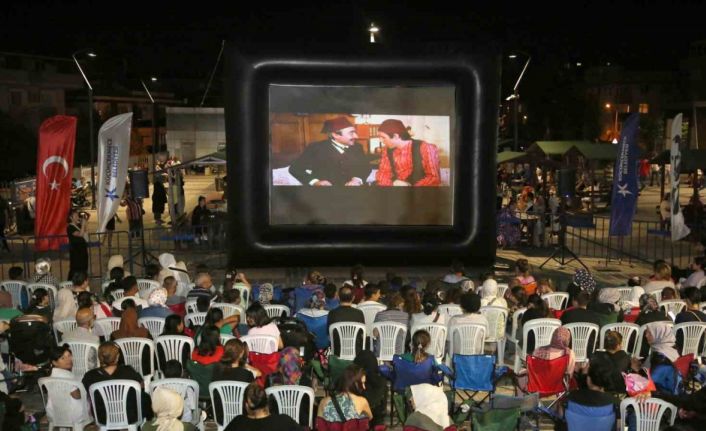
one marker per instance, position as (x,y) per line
(139,184)
(567,182)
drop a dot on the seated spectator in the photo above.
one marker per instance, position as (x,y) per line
(598,385)
(331,293)
(110,369)
(345,312)
(537,308)
(661,340)
(174,325)
(430,411)
(152,272)
(394,312)
(558,347)
(203,287)
(470,305)
(66,305)
(420,343)
(695,277)
(357,283)
(375,388)
(43,273)
(452,295)
(116,261)
(209,350)
(662,278)
(489,295)
(174,370)
(100,308)
(84,331)
(579,313)
(372,295)
(260,324)
(168,407)
(157,304)
(39,304)
(606,306)
(692,312)
(233,364)
(257,415)
(266,295)
(232,296)
(618,357)
(582,281)
(669,293)
(516,298)
(132,292)
(166,262)
(174,302)
(544,286)
(129,326)
(349,394)
(650,311)
(61,365)
(457,273)
(412,303)
(429,313)
(523,277)
(316,306)
(214,317)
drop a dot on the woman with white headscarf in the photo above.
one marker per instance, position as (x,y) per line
(157,301)
(116,261)
(489,295)
(66,306)
(430,408)
(166,261)
(168,407)
(43,273)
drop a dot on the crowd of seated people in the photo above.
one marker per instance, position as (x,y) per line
(361,390)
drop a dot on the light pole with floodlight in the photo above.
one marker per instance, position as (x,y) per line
(515,97)
(91,136)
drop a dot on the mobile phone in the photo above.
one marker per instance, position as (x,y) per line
(301,351)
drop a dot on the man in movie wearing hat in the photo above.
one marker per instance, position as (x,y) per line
(406,161)
(337,161)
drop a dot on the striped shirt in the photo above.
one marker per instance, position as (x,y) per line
(404,165)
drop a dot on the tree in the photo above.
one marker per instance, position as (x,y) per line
(651,132)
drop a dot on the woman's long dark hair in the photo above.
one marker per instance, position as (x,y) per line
(256,316)
(171,325)
(351,380)
(210,339)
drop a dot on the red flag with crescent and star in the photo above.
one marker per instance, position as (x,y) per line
(55,163)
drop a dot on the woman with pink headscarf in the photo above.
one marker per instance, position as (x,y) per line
(558,347)
(157,302)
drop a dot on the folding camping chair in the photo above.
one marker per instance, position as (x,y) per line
(547,377)
(406,373)
(473,374)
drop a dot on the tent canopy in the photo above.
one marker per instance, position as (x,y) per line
(593,151)
(511,156)
(553,148)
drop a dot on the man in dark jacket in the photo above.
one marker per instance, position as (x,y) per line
(337,161)
(199,219)
(159,199)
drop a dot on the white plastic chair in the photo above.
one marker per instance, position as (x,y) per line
(369,313)
(85,355)
(181,386)
(692,333)
(15,289)
(194,319)
(59,390)
(502,288)
(69,284)
(172,347)
(641,338)
(387,334)
(146,286)
(107,326)
(105,285)
(466,339)
(153,324)
(63,326)
(244,293)
(226,338)
(114,394)
(289,399)
(230,310)
(261,343)
(118,294)
(348,333)
(450,309)
(437,333)
(191,306)
(132,349)
(275,311)
(231,395)
(556,300)
(497,319)
(625,329)
(625,293)
(51,290)
(514,337)
(542,330)
(581,333)
(648,412)
(674,306)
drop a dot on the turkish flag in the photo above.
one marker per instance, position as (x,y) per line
(55,163)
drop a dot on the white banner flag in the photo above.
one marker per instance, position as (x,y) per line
(679,229)
(113,160)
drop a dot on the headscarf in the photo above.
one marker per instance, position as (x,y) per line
(467,286)
(489,289)
(663,339)
(43,266)
(561,338)
(115,261)
(167,406)
(129,326)
(584,280)
(648,303)
(181,273)
(431,401)
(166,260)
(5,299)
(266,293)
(609,295)
(635,294)
(158,298)
(376,384)
(290,366)
(318,300)
(66,305)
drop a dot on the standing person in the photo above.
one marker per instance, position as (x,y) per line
(4,217)
(199,218)
(159,199)
(78,246)
(336,161)
(406,161)
(134,214)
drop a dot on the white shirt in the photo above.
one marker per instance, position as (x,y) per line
(695,278)
(139,302)
(657,286)
(423,319)
(77,407)
(269,329)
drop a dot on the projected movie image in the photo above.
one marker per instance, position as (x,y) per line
(361,167)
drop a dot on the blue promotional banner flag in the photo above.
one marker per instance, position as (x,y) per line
(625,179)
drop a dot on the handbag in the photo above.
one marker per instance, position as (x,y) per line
(362,424)
(636,384)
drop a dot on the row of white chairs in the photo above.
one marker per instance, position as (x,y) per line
(17,288)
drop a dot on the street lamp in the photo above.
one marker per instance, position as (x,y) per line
(515,97)
(155,133)
(91,136)
(373,30)
(608,106)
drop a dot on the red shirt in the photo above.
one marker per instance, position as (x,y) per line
(404,165)
(208,360)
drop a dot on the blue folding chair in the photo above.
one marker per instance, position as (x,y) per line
(302,295)
(317,326)
(580,417)
(473,374)
(404,374)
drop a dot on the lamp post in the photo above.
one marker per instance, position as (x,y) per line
(373,30)
(515,97)
(615,122)
(91,136)
(155,132)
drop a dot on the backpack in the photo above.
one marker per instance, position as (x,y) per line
(294,333)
